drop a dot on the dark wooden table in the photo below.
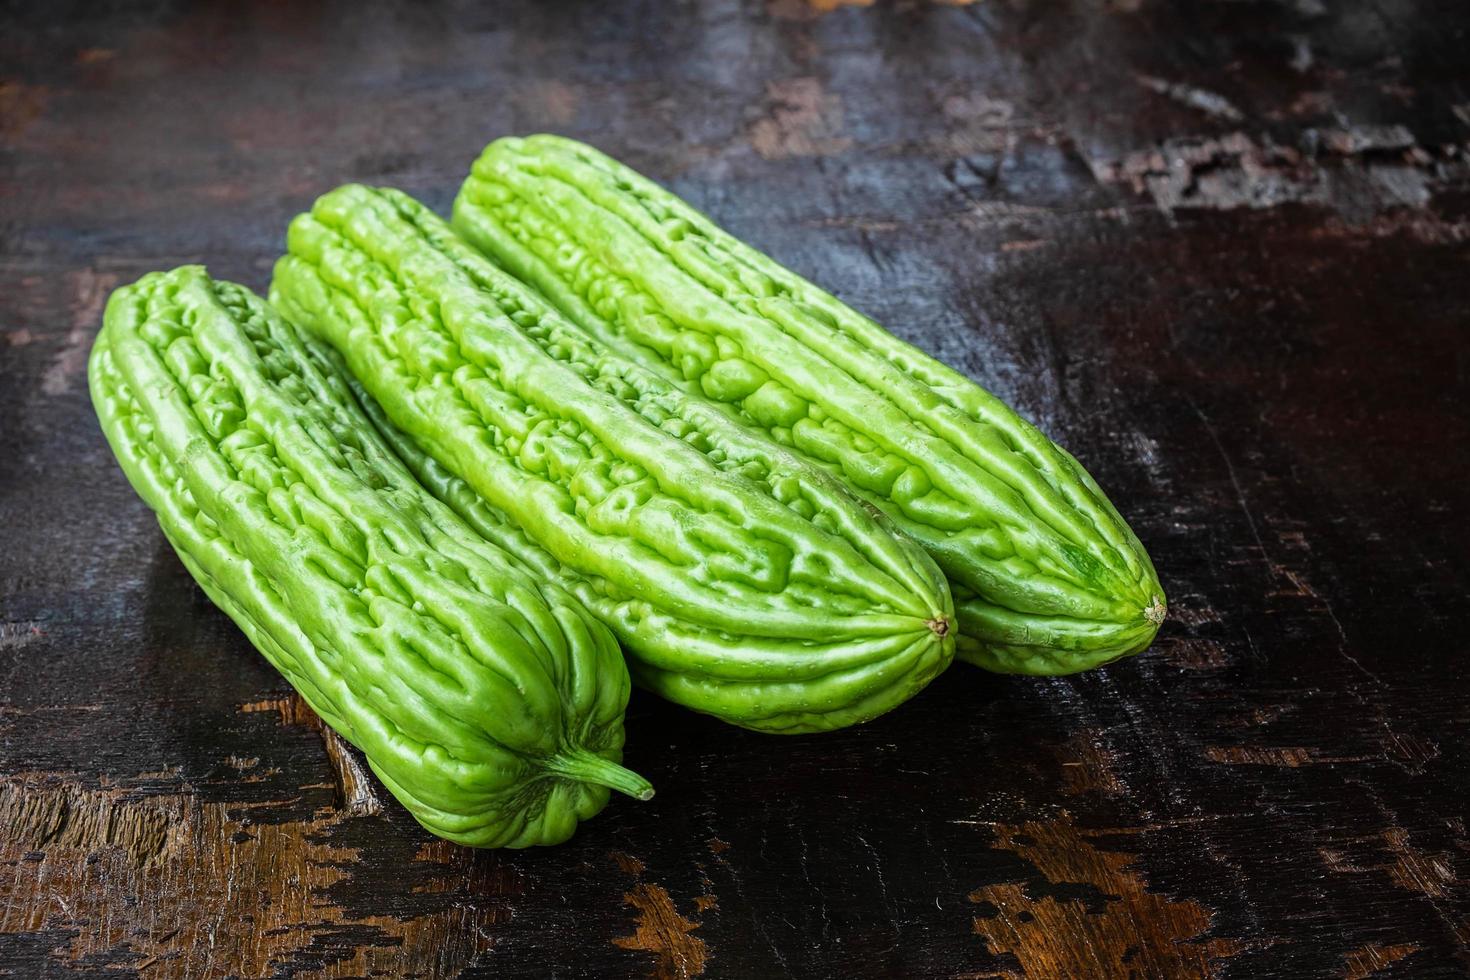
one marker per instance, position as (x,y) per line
(1219,249)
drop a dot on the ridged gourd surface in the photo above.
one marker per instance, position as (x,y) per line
(742,581)
(1047,577)
(482,700)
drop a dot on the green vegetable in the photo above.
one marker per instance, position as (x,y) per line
(491,706)
(1048,579)
(742,582)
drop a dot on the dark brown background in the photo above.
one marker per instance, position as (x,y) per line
(1219,249)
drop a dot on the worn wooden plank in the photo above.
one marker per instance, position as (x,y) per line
(1220,250)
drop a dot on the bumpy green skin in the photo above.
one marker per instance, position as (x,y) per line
(1047,577)
(742,582)
(489,705)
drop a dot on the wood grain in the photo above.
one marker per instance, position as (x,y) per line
(1219,250)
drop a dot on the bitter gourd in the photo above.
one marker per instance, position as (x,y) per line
(1047,577)
(742,582)
(489,705)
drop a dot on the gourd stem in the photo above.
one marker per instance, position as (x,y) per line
(590,768)
(1156,610)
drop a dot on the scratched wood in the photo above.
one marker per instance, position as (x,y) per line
(1219,249)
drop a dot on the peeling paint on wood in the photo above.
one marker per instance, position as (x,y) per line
(1209,103)
(1121,929)
(1289,757)
(291,709)
(1364,962)
(1431,875)
(357,790)
(799,118)
(1365,174)
(661,929)
(43,814)
(202,890)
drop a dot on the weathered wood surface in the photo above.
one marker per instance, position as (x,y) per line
(1219,249)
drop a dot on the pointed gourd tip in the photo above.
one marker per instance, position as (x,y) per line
(1156,611)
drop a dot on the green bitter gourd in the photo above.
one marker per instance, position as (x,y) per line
(742,582)
(1047,577)
(491,706)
